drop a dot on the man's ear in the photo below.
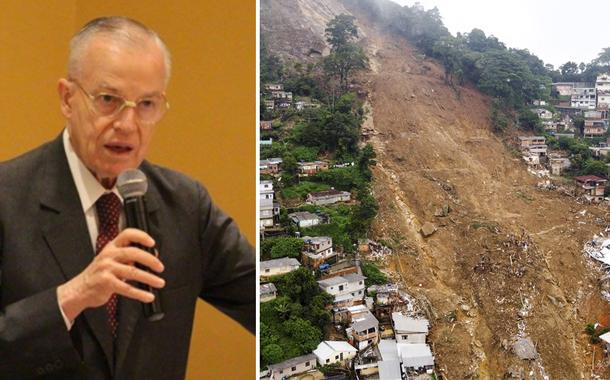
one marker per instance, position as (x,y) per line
(65,96)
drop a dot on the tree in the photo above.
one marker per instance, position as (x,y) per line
(290,170)
(595,167)
(305,335)
(341,63)
(603,58)
(529,120)
(373,275)
(363,214)
(366,159)
(341,31)
(271,353)
(299,285)
(286,247)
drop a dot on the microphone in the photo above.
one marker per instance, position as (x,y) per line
(132,185)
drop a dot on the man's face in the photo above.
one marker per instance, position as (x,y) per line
(108,145)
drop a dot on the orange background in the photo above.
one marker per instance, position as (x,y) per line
(209,132)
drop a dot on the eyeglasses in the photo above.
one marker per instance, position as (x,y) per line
(149,110)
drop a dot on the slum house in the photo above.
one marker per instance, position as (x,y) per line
(331,352)
(269,104)
(270,165)
(278,267)
(304,219)
(267,292)
(292,367)
(364,331)
(583,96)
(308,169)
(274,87)
(526,141)
(348,290)
(269,209)
(594,128)
(415,358)
(318,250)
(265,125)
(328,197)
(408,329)
(559,163)
(592,187)
(602,86)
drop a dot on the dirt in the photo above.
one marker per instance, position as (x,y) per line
(506,261)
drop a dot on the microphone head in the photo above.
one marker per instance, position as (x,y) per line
(132,183)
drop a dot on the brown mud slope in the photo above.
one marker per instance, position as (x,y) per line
(506,260)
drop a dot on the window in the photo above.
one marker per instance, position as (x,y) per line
(336,357)
(306,364)
(267,270)
(294,368)
(340,287)
(327,361)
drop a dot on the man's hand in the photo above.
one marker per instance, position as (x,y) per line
(109,272)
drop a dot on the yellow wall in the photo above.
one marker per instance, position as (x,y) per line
(208,133)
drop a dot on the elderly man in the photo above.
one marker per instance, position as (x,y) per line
(70,304)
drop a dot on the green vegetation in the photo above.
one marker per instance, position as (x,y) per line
(373,275)
(300,190)
(292,324)
(275,248)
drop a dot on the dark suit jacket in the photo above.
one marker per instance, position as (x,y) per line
(44,241)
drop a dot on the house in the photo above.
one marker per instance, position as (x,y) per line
(408,329)
(318,250)
(559,164)
(543,113)
(331,352)
(601,151)
(328,197)
(416,358)
(266,142)
(278,267)
(269,209)
(292,367)
(594,128)
(364,331)
(563,88)
(583,96)
(282,95)
(592,187)
(389,365)
(266,125)
(526,141)
(606,339)
(270,165)
(347,289)
(539,102)
(301,105)
(304,219)
(274,87)
(268,292)
(307,169)
(602,86)
(269,104)
(282,103)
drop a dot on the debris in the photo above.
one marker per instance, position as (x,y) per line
(428,229)
(524,348)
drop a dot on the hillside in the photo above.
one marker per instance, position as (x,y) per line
(506,262)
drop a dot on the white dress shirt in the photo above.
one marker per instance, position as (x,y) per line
(89,191)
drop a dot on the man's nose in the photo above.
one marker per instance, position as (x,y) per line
(127,119)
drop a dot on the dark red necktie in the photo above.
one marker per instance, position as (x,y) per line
(108,212)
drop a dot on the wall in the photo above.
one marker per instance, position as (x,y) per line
(208,133)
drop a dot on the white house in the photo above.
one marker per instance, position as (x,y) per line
(346,289)
(317,250)
(364,331)
(280,266)
(328,197)
(583,96)
(268,209)
(268,292)
(602,86)
(304,219)
(408,329)
(292,367)
(389,365)
(415,357)
(330,352)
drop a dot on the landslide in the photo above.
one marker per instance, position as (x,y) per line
(506,261)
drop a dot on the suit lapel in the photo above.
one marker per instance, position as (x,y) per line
(65,230)
(131,311)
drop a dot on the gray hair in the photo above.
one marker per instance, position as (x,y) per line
(119,27)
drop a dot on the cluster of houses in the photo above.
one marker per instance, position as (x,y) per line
(384,338)
(583,95)
(535,153)
(275,98)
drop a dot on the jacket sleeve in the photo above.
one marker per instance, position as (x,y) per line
(229,264)
(34,340)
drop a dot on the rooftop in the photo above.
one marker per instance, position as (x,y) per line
(302,216)
(293,362)
(415,354)
(365,322)
(278,263)
(267,288)
(402,323)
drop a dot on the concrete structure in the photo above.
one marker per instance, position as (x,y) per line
(347,289)
(364,331)
(526,141)
(304,219)
(592,187)
(543,113)
(330,352)
(308,169)
(269,104)
(559,164)
(269,210)
(408,329)
(415,358)
(268,292)
(278,267)
(583,96)
(317,250)
(265,125)
(328,197)
(602,86)
(270,165)
(274,87)
(292,367)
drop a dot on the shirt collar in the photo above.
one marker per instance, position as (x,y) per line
(89,189)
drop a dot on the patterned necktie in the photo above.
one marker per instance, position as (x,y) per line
(108,211)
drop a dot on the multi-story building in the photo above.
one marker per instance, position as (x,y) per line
(602,86)
(583,96)
(318,250)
